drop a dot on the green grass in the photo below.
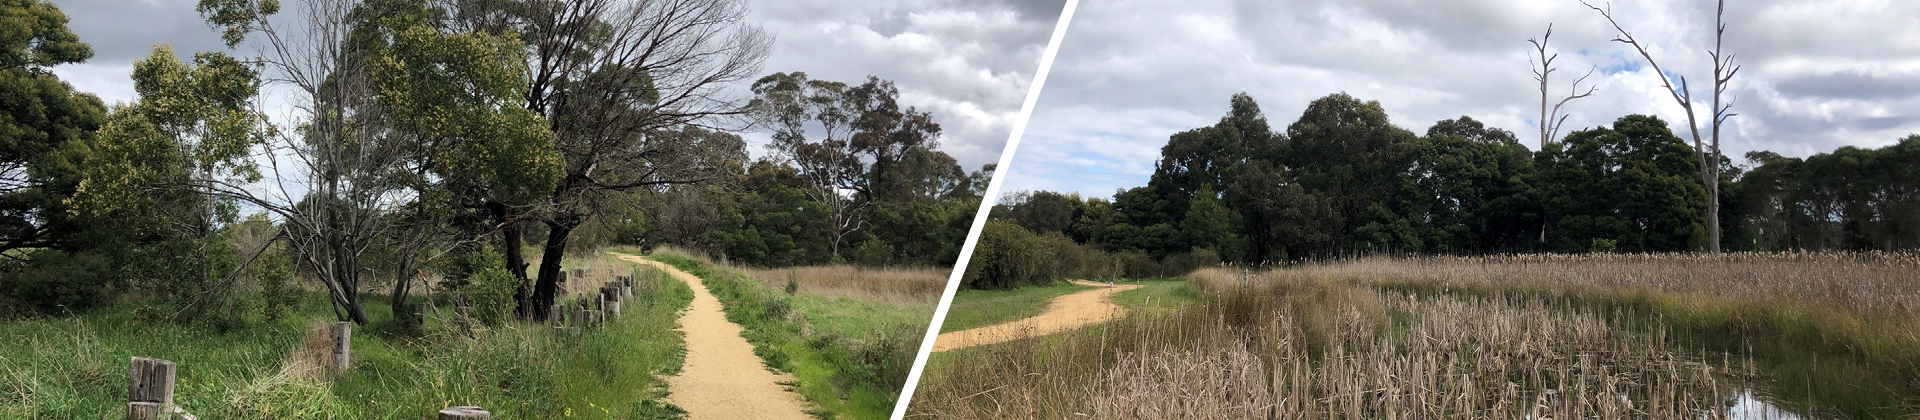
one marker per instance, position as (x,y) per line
(1159,294)
(76,367)
(848,357)
(978,308)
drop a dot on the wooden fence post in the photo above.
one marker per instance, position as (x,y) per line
(579,318)
(142,410)
(464,413)
(149,388)
(612,292)
(420,311)
(342,333)
(462,310)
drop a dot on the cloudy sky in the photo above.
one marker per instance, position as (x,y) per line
(967,62)
(1819,74)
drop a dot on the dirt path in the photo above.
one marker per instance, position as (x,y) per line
(1064,313)
(722,379)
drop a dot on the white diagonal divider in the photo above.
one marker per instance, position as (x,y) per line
(986,203)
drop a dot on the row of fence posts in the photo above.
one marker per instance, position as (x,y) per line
(150,389)
(150,382)
(594,311)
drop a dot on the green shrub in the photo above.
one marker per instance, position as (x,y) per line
(1602,246)
(55,282)
(1009,256)
(873,253)
(486,282)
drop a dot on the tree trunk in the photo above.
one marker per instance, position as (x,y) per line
(545,289)
(399,298)
(1713,212)
(510,243)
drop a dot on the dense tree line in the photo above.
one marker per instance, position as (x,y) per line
(1342,180)
(443,139)
(852,177)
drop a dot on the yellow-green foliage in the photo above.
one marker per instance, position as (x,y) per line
(75,368)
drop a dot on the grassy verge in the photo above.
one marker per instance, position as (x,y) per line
(848,356)
(1158,294)
(978,308)
(75,367)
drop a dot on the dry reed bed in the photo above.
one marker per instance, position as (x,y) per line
(1877,283)
(1282,346)
(1863,304)
(894,284)
(897,285)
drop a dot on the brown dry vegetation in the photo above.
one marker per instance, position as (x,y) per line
(1509,337)
(1862,305)
(894,285)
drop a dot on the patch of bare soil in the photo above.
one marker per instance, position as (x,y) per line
(1064,313)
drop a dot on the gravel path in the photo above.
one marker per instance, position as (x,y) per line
(722,379)
(1064,313)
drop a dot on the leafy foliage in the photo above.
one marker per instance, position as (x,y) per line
(1342,180)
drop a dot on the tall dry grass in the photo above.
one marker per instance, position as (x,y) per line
(1300,344)
(894,285)
(1878,284)
(1863,306)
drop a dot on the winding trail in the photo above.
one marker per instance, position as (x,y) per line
(722,379)
(1064,313)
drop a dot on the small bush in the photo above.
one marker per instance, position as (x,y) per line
(1007,257)
(873,253)
(1601,246)
(488,285)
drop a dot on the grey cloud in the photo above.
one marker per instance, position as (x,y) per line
(122,31)
(1851,85)
(1431,60)
(967,62)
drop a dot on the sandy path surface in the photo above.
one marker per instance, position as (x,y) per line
(1064,313)
(722,379)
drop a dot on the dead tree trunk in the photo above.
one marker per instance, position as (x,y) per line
(1708,153)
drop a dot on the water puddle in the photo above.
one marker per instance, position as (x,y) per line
(1748,405)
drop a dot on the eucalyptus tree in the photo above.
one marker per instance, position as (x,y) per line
(1708,150)
(394,110)
(855,146)
(618,81)
(836,177)
(1550,122)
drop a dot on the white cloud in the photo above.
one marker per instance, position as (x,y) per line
(967,62)
(1819,73)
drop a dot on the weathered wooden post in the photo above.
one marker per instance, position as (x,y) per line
(462,310)
(150,388)
(342,334)
(464,413)
(612,293)
(420,311)
(579,318)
